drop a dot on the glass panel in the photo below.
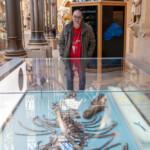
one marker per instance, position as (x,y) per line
(64,104)
(112,31)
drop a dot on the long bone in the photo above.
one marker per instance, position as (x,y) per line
(109,129)
(100,129)
(43,125)
(113,145)
(89,124)
(30,128)
(111,138)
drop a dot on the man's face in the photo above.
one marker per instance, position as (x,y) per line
(77,18)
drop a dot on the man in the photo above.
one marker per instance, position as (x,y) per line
(53,30)
(77,38)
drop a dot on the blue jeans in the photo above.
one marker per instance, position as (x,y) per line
(70,76)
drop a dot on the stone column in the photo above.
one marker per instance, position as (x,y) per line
(50,24)
(38,46)
(53,3)
(46,17)
(18,25)
(41,20)
(55,13)
(14,35)
(36,19)
(11,29)
(32,20)
(37,36)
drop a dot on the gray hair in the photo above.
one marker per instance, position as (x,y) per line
(77,10)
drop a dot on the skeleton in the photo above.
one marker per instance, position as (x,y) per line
(73,133)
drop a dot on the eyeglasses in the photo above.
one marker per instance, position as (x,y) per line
(76,17)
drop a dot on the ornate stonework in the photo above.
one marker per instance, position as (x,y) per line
(27,18)
(135,16)
(63,13)
(138,45)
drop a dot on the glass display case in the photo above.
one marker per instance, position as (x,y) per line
(64,104)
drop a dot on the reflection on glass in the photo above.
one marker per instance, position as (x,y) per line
(83,74)
(112,31)
(20,79)
(75,74)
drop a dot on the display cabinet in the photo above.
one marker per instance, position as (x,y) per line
(108,19)
(58,104)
